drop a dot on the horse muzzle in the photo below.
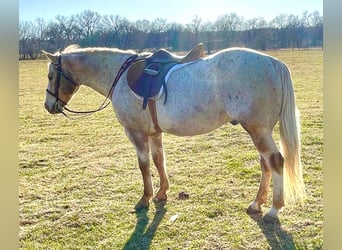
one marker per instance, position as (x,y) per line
(54,108)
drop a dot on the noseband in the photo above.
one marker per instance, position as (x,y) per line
(61,74)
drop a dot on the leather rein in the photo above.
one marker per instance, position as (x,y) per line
(105,103)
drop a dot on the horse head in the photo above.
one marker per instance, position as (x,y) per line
(61,85)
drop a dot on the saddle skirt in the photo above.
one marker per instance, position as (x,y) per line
(147,77)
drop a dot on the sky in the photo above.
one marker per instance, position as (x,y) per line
(180,11)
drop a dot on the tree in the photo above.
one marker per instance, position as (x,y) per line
(40,27)
(69,28)
(158,37)
(175,36)
(228,25)
(142,29)
(208,33)
(25,35)
(111,29)
(88,22)
(316,25)
(295,31)
(279,25)
(195,25)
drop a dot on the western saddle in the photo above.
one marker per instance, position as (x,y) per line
(146,76)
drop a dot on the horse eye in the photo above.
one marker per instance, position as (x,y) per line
(50,78)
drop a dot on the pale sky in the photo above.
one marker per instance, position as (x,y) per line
(180,11)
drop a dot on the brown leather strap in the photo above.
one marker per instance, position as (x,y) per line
(153,113)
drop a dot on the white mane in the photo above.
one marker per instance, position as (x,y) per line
(75,48)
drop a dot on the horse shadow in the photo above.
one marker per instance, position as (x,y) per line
(277,237)
(142,236)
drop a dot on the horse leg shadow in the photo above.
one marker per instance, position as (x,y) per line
(277,237)
(141,237)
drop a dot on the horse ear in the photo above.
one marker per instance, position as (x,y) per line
(53,58)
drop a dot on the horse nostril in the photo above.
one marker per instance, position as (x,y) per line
(48,108)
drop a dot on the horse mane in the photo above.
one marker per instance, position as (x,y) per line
(71,48)
(77,48)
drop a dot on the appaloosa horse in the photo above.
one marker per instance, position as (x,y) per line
(234,85)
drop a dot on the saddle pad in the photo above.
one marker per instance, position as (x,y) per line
(177,67)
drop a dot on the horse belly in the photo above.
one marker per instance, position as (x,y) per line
(192,111)
(193,125)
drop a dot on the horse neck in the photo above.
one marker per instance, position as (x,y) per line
(97,70)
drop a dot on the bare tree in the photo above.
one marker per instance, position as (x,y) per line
(27,39)
(142,30)
(158,30)
(316,24)
(228,25)
(295,30)
(175,38)
(195,25)
(207,29)
(40,26)
(69,28)
(88,21)
(280,27)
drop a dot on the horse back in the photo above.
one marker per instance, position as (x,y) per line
(232,85)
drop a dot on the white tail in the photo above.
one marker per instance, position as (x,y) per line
(290,142)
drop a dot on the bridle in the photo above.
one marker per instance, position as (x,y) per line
(60,74)
(59,103)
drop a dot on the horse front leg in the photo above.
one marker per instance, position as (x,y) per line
(140,142)
(156,145)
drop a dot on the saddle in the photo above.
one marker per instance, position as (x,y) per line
(146,76)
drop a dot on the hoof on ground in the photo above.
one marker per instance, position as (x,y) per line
(141,205)
(159,200)
(270,219)
(254,208)
(251,210)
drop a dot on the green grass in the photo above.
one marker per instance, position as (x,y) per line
(79,179)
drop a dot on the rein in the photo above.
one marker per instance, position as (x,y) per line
(105,103)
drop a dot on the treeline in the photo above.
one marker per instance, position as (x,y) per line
(91,29)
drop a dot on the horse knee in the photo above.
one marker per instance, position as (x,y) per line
(276,162)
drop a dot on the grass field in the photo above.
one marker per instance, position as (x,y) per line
(79,179)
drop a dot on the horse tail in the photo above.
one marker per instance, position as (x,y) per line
(289,126)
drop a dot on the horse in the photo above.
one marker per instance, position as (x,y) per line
(237,85)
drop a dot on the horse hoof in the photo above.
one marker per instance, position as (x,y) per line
(159,200)
(142,204)
(253,208)
(272,216)
(270,219)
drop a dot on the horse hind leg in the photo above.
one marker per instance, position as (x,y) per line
(261,197)
(156,146)
(140,142)
(272,162)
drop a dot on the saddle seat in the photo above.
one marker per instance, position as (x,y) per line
(164,56)
(146,76)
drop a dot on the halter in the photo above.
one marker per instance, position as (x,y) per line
(105,104)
